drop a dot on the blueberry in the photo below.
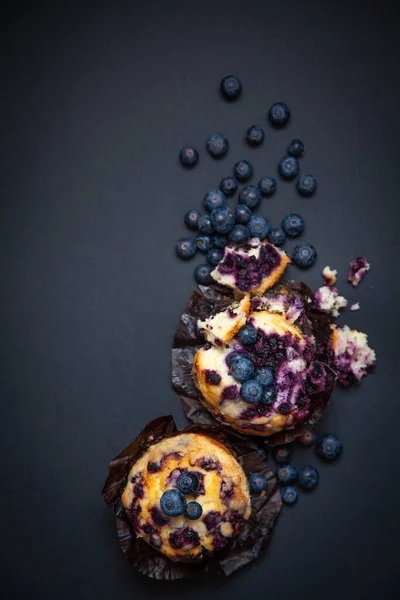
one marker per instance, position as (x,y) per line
(279,114)
(265,376)
(173,503)
(188,156)
(192,219)
(255,135)
(328,446)
(228,186)
(306,184)
(282,454)
(194,510)
(220,241)
(231,87)
(243,170)
(240,234)
(204,243)
(205,225)
(269,396)
(308,478)
(250,196)
(288,167)
(202,274)
(258,482)
(259,226)
(214,256)
(248,335)
(186,247)
(267,186)
(304,255)
(293,225)
(276,236)
(289,495)
(214,199)
(241,369)
(234,356)
(242,214)
(217,145)
(308,437)
(295,148)
(222,219)
(188,483)
(286,474)
(251,391)
(263,454)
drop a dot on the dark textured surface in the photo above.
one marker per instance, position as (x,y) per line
(96,100)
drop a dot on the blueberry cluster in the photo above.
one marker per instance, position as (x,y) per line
(173,502)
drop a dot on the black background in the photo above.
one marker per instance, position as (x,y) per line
(96,100)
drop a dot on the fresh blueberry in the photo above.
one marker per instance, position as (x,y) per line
(248,335)
(186,247)
(258,482)
(217,145)
(267,186)
(308,437)
(204,243)
(263,454)
(279,114)
(188,156)
(192,219)
(220,241)
(240,234)
(289,495)
(282,454)
(306,184)
(202,274)
(308,478)
(242,214)
(251,391)
(304,255)
(296,148)
(214,256)
(231,87)
(250,196)
(243,170)
(259,226)
(293,225)
(286,474)
(269,396)
(235,355)
(188,483)
(276,236)
(288,167)
(328,446)
(255,135)
(222,219)
(214,199)
(205,225)
(173,503)
(264,376)
(228,186)
(193,510)
(241,369)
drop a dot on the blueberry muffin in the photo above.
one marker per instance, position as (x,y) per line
(187,496)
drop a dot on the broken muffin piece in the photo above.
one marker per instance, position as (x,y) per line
(221,328)
(329,276)
(353,357)
(327,299)
(358,269)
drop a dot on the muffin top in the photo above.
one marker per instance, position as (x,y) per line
(157,487)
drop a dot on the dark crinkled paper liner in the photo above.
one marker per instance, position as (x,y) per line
(207,300)
(254,537)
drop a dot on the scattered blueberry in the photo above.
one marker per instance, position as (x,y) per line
(288,167)
(241,368)
(282,454)
(214,256)
(255,135)
(243,170)
(259,226)
(240,234)
(222,219)
(308,437)
(264,376)
(202,274)
(220,241)
(186,247)
(267,186)
(188,156)
(304,255)
(276,236)
(188,483)
(192,219)
(250,196)
(217,145)
(204,243)
(204,225)
(328,446)
(263,454)
(248,335)
(228,186)
(231,87)
(234,356)
(308,478)
(286,474)
(269,396)
(306,184)
(279,114)
(193,510)
(242,214)
(293,225)
(296,148)
(258,482)
(173,503)
(214,199)
(289,495)
(251,391)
